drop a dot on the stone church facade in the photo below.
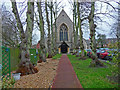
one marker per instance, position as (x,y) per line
(65,33)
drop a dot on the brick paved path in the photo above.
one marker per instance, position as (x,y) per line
(66,77)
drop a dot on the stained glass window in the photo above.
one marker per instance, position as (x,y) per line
(63,33)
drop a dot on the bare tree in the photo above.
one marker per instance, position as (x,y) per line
(30,23)
(48,24)
(115,30)
(95,62)
(55,17)
(74,19)
(25,64)
(101,39)
(54,8)
(52,39)
(10,34)
(80,19)
(42,31)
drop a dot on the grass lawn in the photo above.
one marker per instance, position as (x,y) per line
(57,56)
(91,77)
(0,84)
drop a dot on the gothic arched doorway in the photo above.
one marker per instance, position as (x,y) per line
(64,47)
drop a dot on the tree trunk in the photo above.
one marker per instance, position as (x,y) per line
(52,41)
(76,26)
(42,39)
(25,66)
(80,30)
(55,16)
(118,33)
(92,27)
(74,45)
(30,23)
(48,24)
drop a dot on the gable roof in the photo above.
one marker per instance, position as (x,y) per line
(65,14)
(63,43)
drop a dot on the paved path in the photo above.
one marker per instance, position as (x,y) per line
(66,77)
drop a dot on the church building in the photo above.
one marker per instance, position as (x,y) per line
(65,33)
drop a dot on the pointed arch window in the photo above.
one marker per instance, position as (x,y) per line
(63,33)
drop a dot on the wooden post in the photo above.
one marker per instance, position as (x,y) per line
(59,50)
(68,50)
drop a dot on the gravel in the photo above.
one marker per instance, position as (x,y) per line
(43,79)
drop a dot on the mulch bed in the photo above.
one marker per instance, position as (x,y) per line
(42,79)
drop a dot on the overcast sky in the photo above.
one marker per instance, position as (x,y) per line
(102,27)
